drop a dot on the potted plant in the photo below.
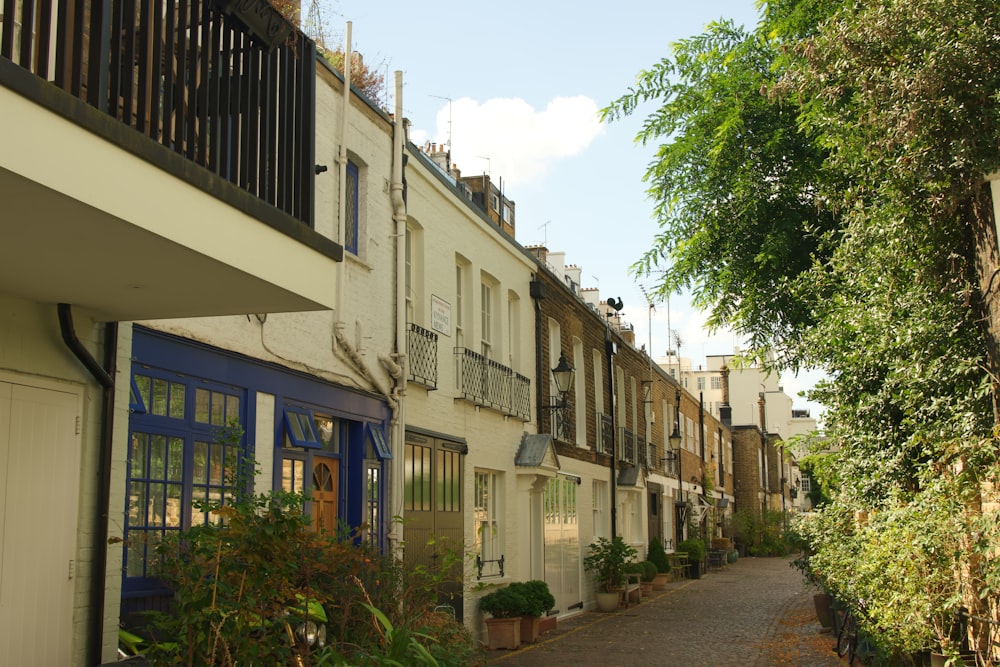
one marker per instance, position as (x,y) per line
(647,573)
(657,555)
(606,559)
(695,549)
(505,606)
(539,600)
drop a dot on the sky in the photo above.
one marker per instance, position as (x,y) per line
(515,89)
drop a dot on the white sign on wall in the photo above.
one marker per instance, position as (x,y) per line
(440,315)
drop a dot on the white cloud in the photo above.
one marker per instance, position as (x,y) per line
(512,140)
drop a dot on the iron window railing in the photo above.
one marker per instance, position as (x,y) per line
(562,422)
(422,355)
(491,384)
(606,442)
(627,452)
(192,75)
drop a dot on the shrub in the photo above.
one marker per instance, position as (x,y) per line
(695,549)
(536,592)
(658,555)
(506,602)
(241,583)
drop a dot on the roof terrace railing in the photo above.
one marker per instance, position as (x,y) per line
(228,84)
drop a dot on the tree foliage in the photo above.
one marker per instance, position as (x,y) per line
(815,185)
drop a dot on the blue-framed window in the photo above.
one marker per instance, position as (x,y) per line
(301,428)
(352,209)
(178,461)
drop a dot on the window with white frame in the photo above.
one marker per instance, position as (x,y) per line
(460,278)
(600,508)
(486,509)
(716,382)
(701,383)
(514,330)
(486,324)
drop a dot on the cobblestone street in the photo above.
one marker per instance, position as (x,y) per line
(756,612)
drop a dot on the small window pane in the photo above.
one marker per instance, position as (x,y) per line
(140,443)
(175,460)
(156,500)
(218,409)
(137,504)
(201,405)
(200,470)
(159,402)
(173,515)
(215,464)
(136,556)
(177,393)
(157,456)
(232,407)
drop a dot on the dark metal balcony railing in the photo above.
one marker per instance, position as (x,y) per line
(422,355)
(489,383)
(188,74)
(641,450)
(606,443)
(561,420)
(628,446)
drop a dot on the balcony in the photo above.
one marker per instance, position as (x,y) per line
(490,384)
(422,355)
(158,159)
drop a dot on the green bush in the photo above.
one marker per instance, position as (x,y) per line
(658,555)
(506,602)
(695,549)
(241,583)
(647,570)
(536,592)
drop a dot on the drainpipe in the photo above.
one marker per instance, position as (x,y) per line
(398,424)
(339,337)
(95,632)
(342,170)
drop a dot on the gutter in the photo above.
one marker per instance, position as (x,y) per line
(105,378)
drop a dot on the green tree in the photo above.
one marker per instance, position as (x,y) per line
(734,183)
(819,187)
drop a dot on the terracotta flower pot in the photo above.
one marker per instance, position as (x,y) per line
(530,629)
(504,633)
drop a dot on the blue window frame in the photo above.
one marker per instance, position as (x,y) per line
(179,462)
(378,441)
(300,426)
(351,209)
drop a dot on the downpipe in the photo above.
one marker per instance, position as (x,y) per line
(105,378)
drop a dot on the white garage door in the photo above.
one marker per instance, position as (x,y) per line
(39,482)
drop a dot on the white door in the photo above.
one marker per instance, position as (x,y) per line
(562,543)
(39,482)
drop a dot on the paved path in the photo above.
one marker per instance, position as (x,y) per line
(756,612)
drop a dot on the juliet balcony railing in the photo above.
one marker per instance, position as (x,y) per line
(422,355)
(489,383)
(626,446)
(561,420)
(606,440)
(227,84)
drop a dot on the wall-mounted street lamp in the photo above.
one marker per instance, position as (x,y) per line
(563,375)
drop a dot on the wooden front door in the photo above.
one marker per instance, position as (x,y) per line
(324,493)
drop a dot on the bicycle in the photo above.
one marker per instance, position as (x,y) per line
(846,629)
(851,641)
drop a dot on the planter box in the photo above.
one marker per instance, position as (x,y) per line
(547,624)
(504,633)
(530,629)
(661,581)
(967,660)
